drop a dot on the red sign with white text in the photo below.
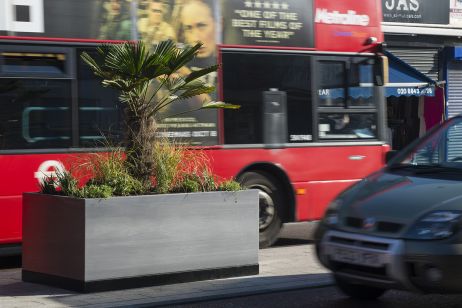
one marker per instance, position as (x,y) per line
(347,25)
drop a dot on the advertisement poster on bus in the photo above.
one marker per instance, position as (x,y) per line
(268,23)
(416,11)
(185,22)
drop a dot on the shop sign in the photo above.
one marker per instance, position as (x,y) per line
(416,11)
(455,13)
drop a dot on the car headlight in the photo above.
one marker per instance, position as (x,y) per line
(331,216)
(435,225)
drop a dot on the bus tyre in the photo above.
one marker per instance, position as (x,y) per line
(270,202)
(358,291)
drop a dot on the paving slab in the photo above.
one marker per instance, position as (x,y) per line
(281,268)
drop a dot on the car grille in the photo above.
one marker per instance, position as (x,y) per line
(381,226)
(364,271)
(365,244)
(359,243)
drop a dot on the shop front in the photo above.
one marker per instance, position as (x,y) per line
(412,102)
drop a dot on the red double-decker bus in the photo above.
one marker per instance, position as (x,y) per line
(308,75)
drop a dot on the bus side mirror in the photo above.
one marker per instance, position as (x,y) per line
(390,155)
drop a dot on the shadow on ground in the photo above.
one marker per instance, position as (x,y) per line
(10,262)
(291,242)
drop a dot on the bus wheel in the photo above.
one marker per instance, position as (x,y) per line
(270,202)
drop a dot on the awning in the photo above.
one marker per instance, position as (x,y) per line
(405,80)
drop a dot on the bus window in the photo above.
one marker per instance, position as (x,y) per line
(361,95)
(247,75)
(347,126)
(346,107)
(33,62)
(36,113)
(100,113)
(332,83)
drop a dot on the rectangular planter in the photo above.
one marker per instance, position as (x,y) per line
(124,242)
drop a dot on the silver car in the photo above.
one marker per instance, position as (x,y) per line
(400,228)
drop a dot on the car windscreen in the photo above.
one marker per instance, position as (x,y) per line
(440,151)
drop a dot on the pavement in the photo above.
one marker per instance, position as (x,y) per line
(281,268)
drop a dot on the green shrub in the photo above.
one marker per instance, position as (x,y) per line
(68,184)
(48,186)
(229,185)
(110,170)
(207,181)
(188,184)
(195,182)
(167,158)
(95,191)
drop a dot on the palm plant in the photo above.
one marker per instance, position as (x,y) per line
(148,82)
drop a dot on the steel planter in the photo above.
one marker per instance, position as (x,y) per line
(123,242)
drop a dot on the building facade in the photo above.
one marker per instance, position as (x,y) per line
(426,35)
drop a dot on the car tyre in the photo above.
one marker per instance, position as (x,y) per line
(358,291)
(270,203)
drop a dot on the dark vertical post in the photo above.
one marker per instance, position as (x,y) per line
(274,118)
(379,94)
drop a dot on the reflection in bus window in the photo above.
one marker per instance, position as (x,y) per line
(100,114)
(347,126)
(35,114)
(334,78)
(247,75)
(331,83)
(21,62)
(362,95)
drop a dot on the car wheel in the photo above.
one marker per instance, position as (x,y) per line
(270,203)
(358,291)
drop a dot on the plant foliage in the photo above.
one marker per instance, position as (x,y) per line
(148,82)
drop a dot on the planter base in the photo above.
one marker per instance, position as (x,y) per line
(137,282)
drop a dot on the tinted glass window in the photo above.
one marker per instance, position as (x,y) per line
(347,126)
(100,113)
(247,75)
(341,87)
(454,143)
(441,148)
(36,113)
(331,83)
(23,63)
(361,95)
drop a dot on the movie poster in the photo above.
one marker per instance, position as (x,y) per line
(268,23)
(185,22)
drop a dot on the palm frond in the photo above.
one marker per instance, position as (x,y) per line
(202,72)
(196,90)
(183,56)
(220,105)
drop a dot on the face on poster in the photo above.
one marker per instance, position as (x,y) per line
(183,21)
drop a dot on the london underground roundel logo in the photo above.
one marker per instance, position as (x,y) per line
(48,169)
